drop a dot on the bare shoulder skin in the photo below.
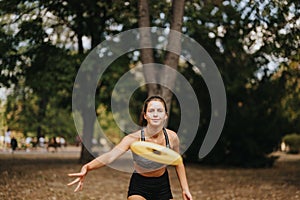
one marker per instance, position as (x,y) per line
(174,140)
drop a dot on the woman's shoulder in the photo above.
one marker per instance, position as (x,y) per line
(134,136)
(172,134)
(174,140)
(128,140)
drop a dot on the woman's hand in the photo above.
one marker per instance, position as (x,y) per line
(187,195)
(80,178)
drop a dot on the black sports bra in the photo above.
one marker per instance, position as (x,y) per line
(149,164)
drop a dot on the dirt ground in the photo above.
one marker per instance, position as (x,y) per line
(43,175)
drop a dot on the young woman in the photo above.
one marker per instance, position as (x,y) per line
(150,180)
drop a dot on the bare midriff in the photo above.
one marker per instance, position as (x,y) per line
(149,172)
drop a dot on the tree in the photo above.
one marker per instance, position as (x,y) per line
(242,41)
(171,59)
(242,38)
(48,31)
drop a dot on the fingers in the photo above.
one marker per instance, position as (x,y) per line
(80,177)
(79,186)
(79,180)
(73,182)
(76,174)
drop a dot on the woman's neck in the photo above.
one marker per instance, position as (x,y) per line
(153,131)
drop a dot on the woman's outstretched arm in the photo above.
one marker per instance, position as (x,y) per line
(101,161)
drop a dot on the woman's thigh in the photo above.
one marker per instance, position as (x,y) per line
(135,197)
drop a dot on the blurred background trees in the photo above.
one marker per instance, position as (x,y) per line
(255,45)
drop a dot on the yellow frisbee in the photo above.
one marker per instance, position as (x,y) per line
(156,152)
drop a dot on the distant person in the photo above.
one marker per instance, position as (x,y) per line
(62,142)
(28,143)
(42,141)
(13,144)
(7,138)
(53,144)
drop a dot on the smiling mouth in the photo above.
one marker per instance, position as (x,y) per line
(155,119)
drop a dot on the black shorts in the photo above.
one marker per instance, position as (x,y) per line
(151,188)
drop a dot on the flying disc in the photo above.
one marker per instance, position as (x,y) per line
(156,152)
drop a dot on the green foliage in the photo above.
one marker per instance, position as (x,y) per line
(41,49)
(257,97)
(108,125)
(22,113)
(290,78)
(56,70)
(293,142)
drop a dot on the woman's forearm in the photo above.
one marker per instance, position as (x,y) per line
(105,159)
(180,170)
(94,164)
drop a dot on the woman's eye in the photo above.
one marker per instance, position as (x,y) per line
(157,110)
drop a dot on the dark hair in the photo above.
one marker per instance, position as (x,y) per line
(143,122)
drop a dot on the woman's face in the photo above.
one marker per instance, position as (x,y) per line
(155,113)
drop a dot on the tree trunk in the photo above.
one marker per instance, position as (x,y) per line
(41,115)
(152,74)
(87,136)
(85,155)
(88,121)
(174,44)
(87,108)
(80,44)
